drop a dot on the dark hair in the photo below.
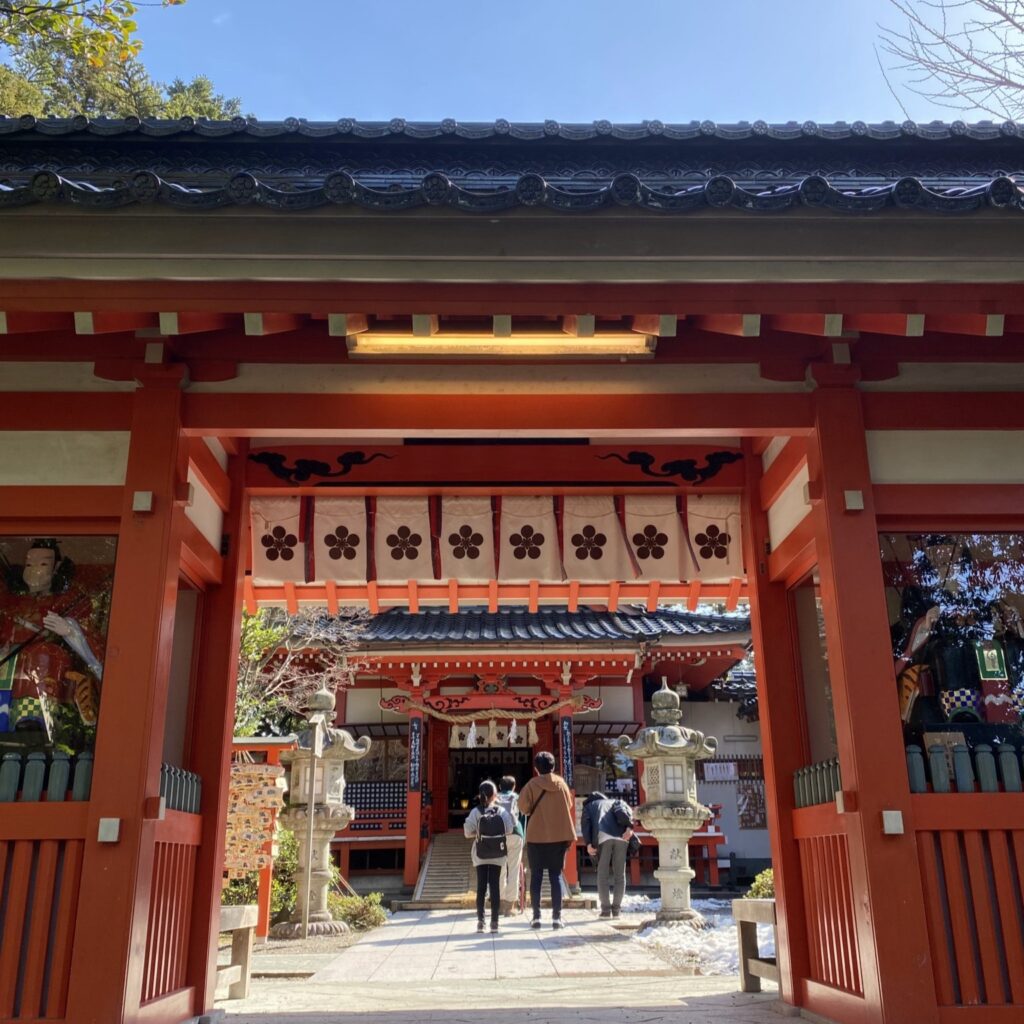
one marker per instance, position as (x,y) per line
(544,762)
(63,568)
(487,792)
(507,784)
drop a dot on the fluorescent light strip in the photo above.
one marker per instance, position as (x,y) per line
(612,345)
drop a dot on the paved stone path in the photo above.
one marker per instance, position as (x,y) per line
(425,967)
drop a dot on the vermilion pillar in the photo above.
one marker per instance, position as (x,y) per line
(778,699)
(110,938)
(888,897)
(209,755)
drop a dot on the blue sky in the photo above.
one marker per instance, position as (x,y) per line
(676,60)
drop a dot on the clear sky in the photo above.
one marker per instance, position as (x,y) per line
(578,60)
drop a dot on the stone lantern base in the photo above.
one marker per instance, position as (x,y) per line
(672,825)
(293,929)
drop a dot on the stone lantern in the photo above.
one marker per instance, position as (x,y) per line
(317,771)
(669,752)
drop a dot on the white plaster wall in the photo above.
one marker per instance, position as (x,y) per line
(618,704)
(180,686)
(23,376)
(63,458)
(771,453)
(218,451)
(735,737)
(205,512)
(946,456)
(362,707)
(789,508)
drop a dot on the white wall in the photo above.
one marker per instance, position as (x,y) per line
(67,458)
(946,456)
(735,737)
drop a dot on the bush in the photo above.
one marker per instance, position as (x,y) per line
(359,912)
(282,887)
(763,887)
(241,891)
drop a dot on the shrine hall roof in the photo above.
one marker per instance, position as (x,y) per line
(549,625)
(396,165)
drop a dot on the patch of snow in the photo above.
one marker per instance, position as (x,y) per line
(711,950)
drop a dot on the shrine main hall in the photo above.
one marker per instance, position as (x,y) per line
(761,379)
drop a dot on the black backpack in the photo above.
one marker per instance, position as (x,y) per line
(621,815)
(490,832)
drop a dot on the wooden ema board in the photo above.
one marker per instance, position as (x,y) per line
(255,795)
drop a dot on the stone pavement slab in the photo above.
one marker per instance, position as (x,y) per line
(431,966)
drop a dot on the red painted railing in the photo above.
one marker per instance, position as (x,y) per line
(971,849)
(828,898)
(41,848)
(170,909)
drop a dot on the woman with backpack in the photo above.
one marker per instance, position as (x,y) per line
(488,825)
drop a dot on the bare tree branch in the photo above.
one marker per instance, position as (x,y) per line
(961,54)
(284,659)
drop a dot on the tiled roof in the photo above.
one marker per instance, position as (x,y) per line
(391,166)
(548,625)
(737,684)
(399,127)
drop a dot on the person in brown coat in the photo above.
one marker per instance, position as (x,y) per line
(550,831)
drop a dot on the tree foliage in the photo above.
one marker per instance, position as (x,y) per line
(56,80)
(963,54)
(101,31)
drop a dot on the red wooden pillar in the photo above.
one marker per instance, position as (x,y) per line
(414,799)
(885,875)
(213,704)
(438,775)
(778,698)
(110,939)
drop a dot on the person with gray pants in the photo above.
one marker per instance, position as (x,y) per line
(607,825)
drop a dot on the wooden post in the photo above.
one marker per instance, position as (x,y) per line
(107,963)
(778,694)
(414,799)
(438,775)
(885,874)
(213,724)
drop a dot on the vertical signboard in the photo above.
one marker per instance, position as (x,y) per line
(415,752)
(568,753)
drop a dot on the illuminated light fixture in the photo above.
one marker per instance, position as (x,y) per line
(372,345)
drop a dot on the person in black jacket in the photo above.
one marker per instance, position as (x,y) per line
(607,826)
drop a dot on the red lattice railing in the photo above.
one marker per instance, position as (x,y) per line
(39,885)
(971,849)
(828,898)
(170,908)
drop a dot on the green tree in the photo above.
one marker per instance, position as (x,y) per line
(197,99)
(100,30)
(64,82)
(18,95)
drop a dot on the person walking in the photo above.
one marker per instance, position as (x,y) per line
(509,800)
(550,831)
(607,825)
(489,826)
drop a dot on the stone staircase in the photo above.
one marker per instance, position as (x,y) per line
(448,879)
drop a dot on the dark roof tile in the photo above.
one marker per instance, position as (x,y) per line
(547,625)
